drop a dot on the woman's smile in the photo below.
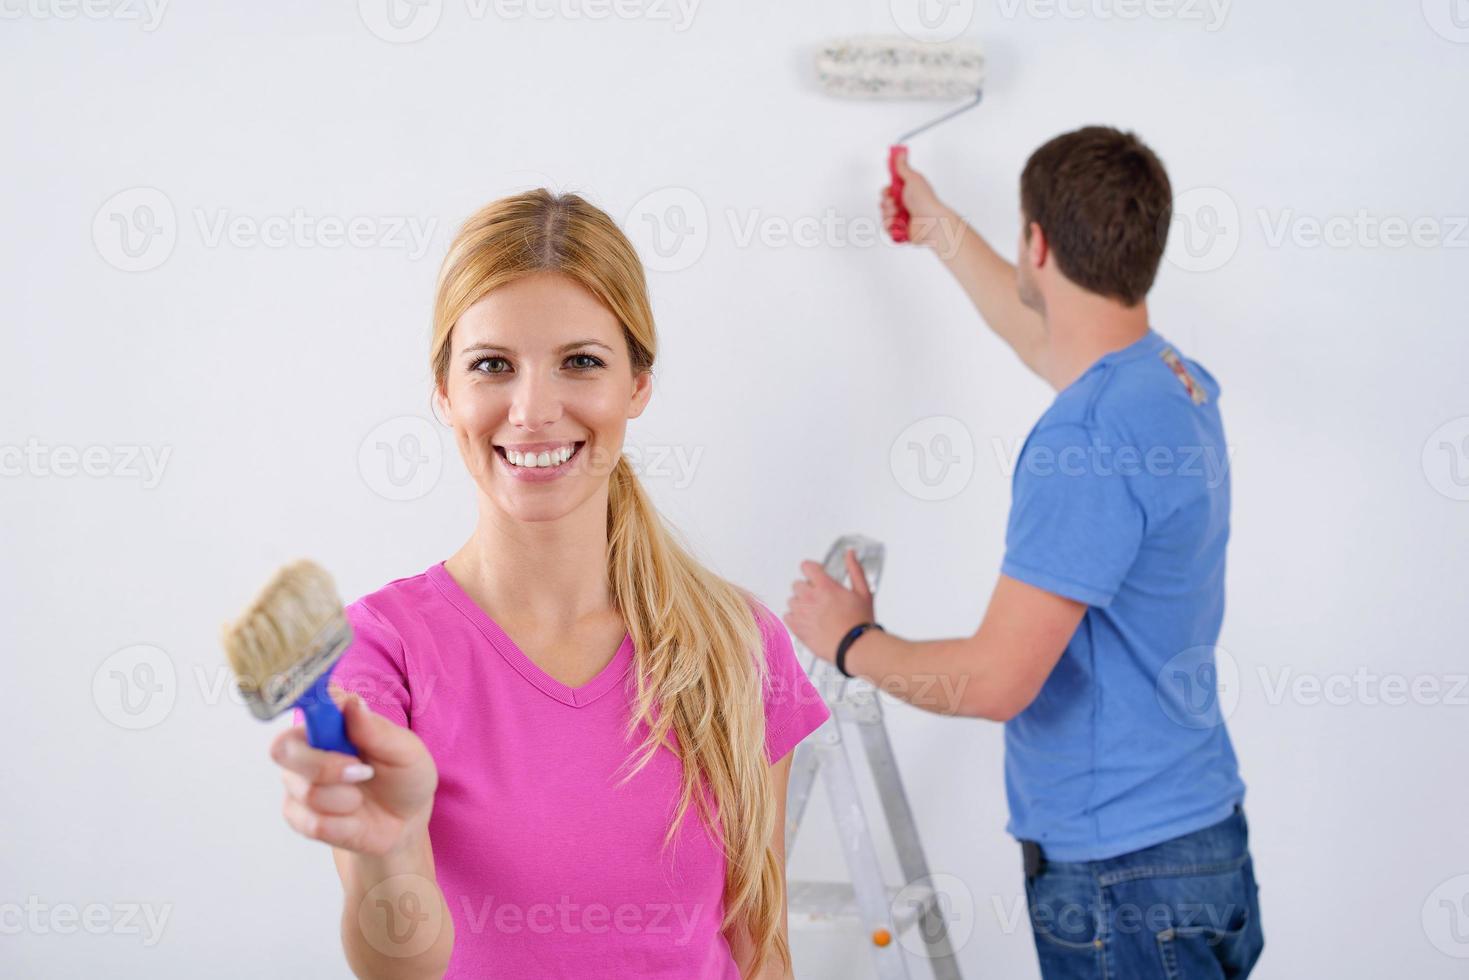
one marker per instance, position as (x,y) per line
(538,462)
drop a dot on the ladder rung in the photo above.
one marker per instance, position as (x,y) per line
(833,905)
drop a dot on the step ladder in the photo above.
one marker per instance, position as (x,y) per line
(853,736)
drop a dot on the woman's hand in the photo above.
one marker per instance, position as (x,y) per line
(930,223)
(372,805)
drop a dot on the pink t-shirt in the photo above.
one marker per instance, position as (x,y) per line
(549,868)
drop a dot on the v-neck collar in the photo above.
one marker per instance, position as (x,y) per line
(576,697)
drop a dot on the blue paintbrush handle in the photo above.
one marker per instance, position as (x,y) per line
(326,729)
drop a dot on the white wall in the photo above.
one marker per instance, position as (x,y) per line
(792,370)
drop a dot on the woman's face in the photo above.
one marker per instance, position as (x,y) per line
(539,389)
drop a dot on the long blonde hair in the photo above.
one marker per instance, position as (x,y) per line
(699,661)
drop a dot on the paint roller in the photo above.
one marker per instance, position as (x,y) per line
(890,68)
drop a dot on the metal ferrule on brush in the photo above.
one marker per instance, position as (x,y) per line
(285,689)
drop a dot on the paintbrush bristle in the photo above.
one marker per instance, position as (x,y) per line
(899,68)
(288,636)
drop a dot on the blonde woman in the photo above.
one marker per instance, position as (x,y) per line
(575,739)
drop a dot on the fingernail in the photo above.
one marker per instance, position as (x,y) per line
(356,773)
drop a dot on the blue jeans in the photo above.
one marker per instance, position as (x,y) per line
(1184,909)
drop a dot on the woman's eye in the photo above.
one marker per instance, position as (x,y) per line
(499,365)
(494,363)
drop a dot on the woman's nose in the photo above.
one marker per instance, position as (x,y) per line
(535,404)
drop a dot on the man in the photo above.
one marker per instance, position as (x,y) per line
(1096,650)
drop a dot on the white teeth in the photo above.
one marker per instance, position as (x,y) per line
(553,457)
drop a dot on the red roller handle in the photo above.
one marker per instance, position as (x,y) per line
(899,230)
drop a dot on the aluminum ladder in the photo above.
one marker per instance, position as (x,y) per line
(853,736)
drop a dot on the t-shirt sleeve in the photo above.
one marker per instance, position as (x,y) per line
(373,666)
(1075,525)
(793,706)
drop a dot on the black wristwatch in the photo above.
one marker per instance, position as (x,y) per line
(848,640)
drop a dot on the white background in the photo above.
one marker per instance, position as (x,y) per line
(790,369)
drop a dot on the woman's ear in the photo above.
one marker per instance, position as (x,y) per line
(641,392)
(439,403)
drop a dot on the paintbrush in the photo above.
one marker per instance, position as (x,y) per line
(283,649)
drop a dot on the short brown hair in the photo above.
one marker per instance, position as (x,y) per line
(1104,201)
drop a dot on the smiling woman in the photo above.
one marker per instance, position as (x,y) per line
(540,381)
(554,700)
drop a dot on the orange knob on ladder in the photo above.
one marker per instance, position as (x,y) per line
(881,937)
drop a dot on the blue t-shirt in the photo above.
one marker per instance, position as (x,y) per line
(1121,501)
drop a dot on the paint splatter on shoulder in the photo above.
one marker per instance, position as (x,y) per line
(1174,362)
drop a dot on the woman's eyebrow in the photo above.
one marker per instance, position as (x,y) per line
(475,348)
